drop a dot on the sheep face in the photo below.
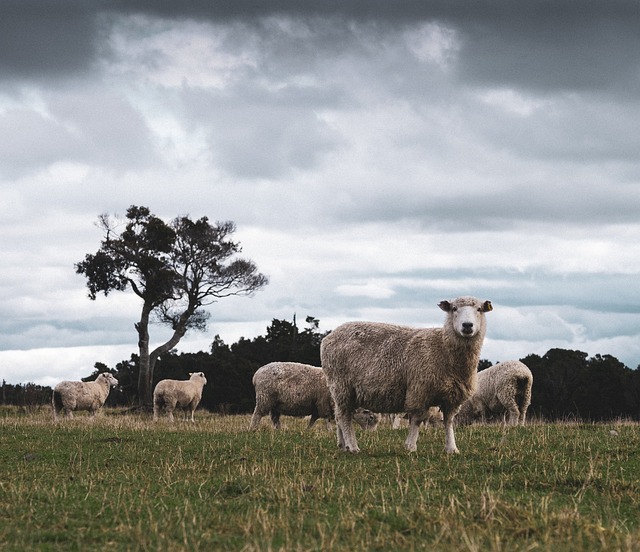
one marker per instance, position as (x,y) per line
(467,315)
(366,419)
(106,376)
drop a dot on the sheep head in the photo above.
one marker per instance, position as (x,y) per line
(198,375)
(106,376)
(466,314)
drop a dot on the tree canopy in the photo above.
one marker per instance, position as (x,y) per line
(175,268)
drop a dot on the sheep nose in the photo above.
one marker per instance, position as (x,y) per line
(467,327)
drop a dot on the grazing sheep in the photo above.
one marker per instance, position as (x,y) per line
(434,418)
(296,389)
(389,368)
(502,389)
(80,395)
(171,393)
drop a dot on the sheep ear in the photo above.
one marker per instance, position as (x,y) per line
(487,306)
(445,306)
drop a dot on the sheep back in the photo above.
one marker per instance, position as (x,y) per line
(390,368)
(172,394)
(79,395)
(503,388)
(293,389)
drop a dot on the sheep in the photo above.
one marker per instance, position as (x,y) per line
(502,389)
(171,393)
(80,395)
(389,368)
(296,389)
(434,418)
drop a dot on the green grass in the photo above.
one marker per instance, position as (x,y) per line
(121,482)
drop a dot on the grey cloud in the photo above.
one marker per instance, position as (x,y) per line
(553,45)
(598,292)
(555,203)
(583,130)
(257,133)
(84,126)
(542,45)
(47,38)
(20,335)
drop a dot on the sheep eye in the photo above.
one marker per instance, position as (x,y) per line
(454,309)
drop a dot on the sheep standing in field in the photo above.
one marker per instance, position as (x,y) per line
(502,389)
(389,368)
(80,395)
(296,389)
(171,393)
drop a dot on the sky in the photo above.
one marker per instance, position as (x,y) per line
(376,157)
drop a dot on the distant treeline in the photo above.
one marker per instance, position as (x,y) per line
(566,384)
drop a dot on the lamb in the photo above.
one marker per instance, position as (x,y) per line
(434,418)
(389,368)
(80,395)
(171,393)
(502,389)
(296,389)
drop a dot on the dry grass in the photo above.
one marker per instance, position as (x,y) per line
(123,482)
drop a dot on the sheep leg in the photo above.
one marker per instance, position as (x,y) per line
(449,436)
(312,421)
(340,436)
(156,410)
(513,412)
(275,419)
(412,436)
(524,405)
(255,419)
(346,433)
(523,416)
(397,421)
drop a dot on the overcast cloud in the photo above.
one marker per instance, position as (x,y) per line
(377,158)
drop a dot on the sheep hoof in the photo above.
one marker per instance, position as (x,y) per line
(452,451)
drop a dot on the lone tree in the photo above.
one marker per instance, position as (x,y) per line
(176,269)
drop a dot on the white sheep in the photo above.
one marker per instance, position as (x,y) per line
(389,368)
(171,393)
(81,395)
(502,389)
(296,389)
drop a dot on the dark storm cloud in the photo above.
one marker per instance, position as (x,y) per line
(39,38)
(544,44)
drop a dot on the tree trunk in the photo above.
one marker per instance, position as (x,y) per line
(178,333)
(145,374)
(148,359)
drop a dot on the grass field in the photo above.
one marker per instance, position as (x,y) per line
(121,482)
